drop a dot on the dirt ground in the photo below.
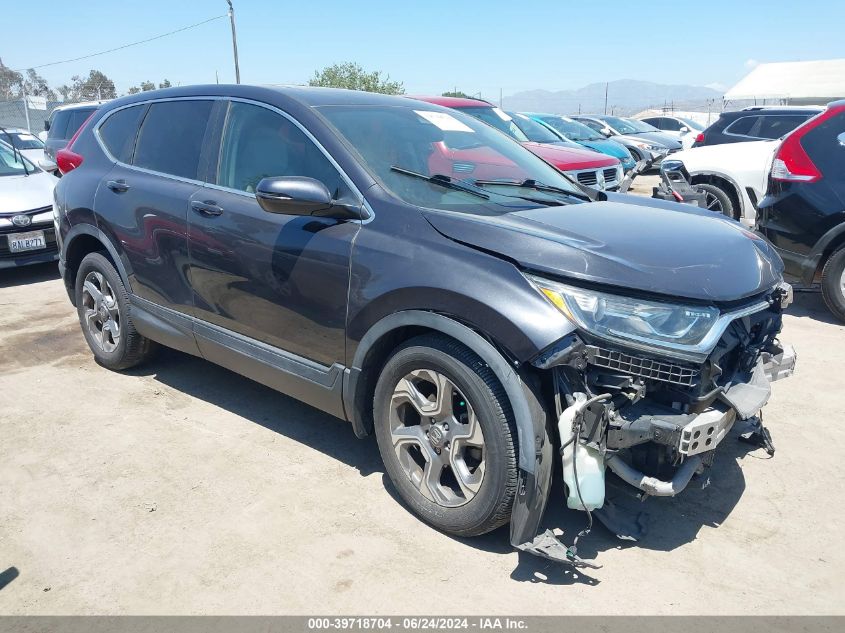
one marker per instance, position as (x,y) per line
(180,487)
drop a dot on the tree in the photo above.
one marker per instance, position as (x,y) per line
(353,77)
(36,86)
(147,86)
(96,86)
(456,93)
(10,82)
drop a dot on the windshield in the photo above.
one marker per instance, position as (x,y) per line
(573,130)
(23,140)
(12,163)
(498,119)
(412,150)
(536,132)
(628,126)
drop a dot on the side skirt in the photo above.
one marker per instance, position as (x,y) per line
(292,375)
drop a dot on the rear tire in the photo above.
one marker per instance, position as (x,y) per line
(717,199)
(833,283)
(105,315)
(446,434)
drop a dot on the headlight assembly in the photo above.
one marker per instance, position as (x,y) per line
(683,331)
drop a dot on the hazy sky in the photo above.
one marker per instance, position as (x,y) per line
(431,46)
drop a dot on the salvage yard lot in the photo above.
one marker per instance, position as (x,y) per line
(180,487)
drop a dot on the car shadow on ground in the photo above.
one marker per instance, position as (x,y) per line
(673,522)
(810,304)
(262,405)
(28,274)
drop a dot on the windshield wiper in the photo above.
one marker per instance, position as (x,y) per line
(443,180)
(15,150)
(531,184)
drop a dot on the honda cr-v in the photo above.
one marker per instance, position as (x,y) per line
(319,241)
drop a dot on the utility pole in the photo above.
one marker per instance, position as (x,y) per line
(234,42)
(605,97)
(25,107)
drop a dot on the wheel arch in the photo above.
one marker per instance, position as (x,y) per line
(828,244)
(81,240)
(383,337)
(727,184)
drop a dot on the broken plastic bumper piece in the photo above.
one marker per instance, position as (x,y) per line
(548,546)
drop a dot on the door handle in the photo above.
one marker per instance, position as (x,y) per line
(118,186)
(207,208)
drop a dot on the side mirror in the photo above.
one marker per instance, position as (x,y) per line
(297,195)
(607,131)
(46,125)
(47,165)
(684,129)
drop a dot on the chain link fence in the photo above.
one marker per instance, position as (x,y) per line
(14,113)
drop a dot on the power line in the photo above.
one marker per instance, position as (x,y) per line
(112,50)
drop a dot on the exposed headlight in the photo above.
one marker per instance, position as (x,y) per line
(652,148)
(682,331)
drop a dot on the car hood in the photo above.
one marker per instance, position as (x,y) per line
(570,158)
(653,137)
(609,147)
(652,246)
(25,193)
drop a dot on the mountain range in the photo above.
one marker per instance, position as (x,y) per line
(624,96)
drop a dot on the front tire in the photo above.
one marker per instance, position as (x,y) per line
(104,315)
(446,434)
(833,284)
(717,199)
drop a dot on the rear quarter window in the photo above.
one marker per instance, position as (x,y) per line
(119,130)
(742,126)
(58,124)
(76,119)
(171,136)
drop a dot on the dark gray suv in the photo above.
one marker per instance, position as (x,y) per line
(418,273)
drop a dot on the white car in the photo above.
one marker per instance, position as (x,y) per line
(27,234)
(27,144)
(734,175)
(682,128)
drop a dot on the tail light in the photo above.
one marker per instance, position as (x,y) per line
(66,159)
(791,162)
(700,137)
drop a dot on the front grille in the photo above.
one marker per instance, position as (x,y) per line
(588,178)
(643,367)
(610,175)
(29,212)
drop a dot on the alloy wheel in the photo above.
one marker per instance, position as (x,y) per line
(713,203)
(437,438)
(102,312)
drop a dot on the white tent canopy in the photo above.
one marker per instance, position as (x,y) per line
(816,82)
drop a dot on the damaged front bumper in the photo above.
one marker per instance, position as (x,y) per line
(656,422)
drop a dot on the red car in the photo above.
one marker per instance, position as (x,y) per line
(585,166)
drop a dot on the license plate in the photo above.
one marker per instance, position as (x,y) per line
(32,241)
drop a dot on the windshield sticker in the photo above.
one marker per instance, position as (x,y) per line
(502,115)
(26,137)
(444,121)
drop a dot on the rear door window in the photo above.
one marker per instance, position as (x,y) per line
(118,132)
(775,126)
(171,137)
